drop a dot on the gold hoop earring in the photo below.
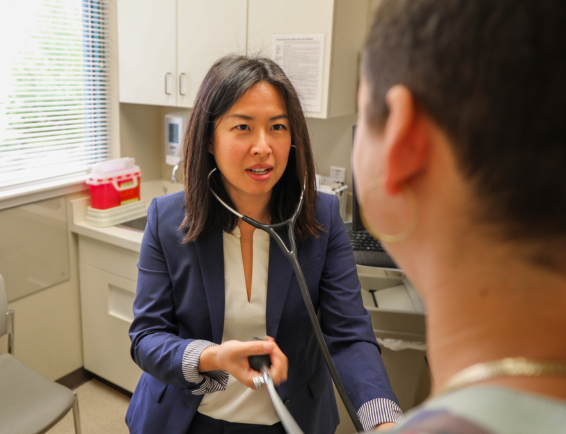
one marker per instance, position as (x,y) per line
(386,237)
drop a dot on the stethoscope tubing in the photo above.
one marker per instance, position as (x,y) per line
(291,255)
(286,418)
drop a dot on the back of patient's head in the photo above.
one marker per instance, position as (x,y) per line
(492,75)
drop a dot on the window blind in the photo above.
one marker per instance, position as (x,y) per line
(54,89)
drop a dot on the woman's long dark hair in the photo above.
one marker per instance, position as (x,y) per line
(228,79)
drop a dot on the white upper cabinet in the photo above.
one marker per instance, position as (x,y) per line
(343,24)
(206,30)
(147,52)
(167,46)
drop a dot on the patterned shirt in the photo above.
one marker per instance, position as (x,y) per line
(486,410)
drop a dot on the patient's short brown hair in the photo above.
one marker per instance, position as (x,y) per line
(492,75)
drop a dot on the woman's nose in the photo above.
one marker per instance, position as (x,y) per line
(261,144)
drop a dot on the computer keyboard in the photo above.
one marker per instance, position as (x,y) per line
(363,241)
(368,251)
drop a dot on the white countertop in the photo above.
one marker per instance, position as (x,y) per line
(393,292)
(118,235)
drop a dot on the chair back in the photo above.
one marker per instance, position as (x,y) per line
(3,308)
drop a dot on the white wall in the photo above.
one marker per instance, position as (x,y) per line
(140,138)
(331,140)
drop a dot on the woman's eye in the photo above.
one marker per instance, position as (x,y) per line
(278,127)
(242,127)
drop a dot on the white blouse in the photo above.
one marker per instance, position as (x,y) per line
(225,397)
(243,320)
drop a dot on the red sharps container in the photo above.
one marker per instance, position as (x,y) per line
(114,183)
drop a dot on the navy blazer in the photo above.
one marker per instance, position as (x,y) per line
(180,297)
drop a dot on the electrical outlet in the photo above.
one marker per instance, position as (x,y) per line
(338,174)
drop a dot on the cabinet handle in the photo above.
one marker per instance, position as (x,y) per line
(181,75)
(167,83)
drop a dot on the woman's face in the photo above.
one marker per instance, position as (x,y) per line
(252,143)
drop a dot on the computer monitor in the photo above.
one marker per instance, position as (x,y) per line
(368,258)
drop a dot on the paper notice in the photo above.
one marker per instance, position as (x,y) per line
(301,57)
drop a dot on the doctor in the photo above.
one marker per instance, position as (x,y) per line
(209,283)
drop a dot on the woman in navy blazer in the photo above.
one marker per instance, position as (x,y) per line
(180,299)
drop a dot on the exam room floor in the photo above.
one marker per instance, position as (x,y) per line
(102,410)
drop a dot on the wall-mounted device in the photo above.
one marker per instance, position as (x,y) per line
(175,126)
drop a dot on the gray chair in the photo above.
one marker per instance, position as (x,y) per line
(29,402)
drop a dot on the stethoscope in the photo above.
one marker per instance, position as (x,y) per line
(261,363)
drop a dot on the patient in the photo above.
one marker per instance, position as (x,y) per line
(460,162)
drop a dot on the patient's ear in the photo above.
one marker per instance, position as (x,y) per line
(406,139)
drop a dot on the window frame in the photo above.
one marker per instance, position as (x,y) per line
(72,184)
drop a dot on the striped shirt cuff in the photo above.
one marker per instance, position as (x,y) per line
(378,411)
(212,381)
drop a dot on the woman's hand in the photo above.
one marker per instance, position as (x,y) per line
(232,357)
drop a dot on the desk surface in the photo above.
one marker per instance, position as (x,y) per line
(400,312)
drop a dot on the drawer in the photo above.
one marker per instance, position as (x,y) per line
(116,260)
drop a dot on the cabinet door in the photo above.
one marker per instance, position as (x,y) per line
(147,51)
(206,30)
(343,24)
(106,308)
(293,17)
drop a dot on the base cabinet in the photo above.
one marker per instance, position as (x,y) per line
(106,306)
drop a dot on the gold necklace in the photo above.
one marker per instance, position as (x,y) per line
(240,238)
(508,367)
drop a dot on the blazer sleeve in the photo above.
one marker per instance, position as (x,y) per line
(347,324)
(156,346)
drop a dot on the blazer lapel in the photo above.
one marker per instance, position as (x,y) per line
(210,251)
(278,283)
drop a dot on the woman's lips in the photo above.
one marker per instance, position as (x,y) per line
(260,174)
